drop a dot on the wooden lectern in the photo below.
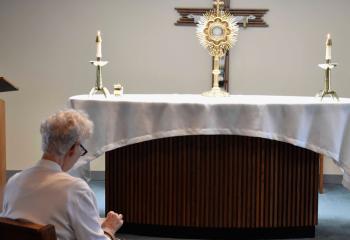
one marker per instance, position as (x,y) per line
(5,86)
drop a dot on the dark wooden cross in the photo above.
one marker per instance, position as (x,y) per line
(249,18)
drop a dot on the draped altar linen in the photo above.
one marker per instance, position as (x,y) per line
(323,127)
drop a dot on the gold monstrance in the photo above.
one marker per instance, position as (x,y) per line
(217,31)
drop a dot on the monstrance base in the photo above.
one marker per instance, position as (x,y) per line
(216,92)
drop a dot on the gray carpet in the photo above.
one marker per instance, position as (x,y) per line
(334,213)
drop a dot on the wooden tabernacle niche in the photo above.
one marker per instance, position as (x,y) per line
(214,186)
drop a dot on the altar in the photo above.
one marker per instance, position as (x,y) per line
(193,166)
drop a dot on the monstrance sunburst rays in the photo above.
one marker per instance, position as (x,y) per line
(217,32)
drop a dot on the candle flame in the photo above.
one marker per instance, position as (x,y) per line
(98,36)
(329,40)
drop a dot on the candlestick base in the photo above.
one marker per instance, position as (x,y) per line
(96,90)
(325,93)
(216,92)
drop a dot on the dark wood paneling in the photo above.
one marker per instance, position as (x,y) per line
(184,20)
(213,182)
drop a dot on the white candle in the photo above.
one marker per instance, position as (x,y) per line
(98,45)
(328,47)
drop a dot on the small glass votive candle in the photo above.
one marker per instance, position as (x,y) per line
(118,89)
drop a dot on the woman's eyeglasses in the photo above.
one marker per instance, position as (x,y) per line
(83,150)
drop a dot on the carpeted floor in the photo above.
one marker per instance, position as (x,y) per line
(334,213)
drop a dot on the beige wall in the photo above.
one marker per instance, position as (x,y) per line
(45,46)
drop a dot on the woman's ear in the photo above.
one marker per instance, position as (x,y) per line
(72,149)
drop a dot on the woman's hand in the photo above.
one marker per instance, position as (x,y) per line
(112,222)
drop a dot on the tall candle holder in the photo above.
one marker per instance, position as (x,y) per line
(327,91)
(99,64)
(99,85)
(328,66)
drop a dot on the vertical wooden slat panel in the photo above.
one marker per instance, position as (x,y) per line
(171,170)
(267,185)
(240,184)
(235,188)
(193,178)
(200,183)
(140,172)
(315,193)
(307,197)
(206,180)
(161,197)
(289,184)
(258,183)
(213,182)
(224,182)
(248,185)
(298,195)
(262,186)
(292,174)
(221,182)
(276,185)
(272,180)
(214,185)
(311,186)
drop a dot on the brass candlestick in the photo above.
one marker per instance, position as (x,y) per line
(99,64)
(99,86)
(328,66)
(327,91)
(217,32)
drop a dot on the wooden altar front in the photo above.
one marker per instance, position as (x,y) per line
(190,166)
(214,186)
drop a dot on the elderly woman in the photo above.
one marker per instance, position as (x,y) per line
(46,194)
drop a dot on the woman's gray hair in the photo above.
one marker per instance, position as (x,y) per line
(61,130)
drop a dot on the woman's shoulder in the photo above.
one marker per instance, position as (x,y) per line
(70,183)
(78,183)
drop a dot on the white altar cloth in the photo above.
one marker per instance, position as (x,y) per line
(323,127)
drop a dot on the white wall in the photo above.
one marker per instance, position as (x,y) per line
(45,46)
